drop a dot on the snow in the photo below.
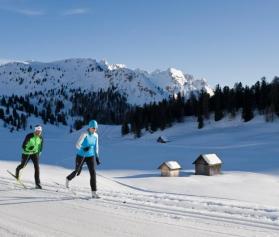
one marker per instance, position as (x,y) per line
(6,61)
(212,159)
(124,209)
(135,199)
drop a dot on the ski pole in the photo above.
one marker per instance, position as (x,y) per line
(26,161)
(80,166)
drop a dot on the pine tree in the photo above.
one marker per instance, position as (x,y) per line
(2,114)
(247,111)
(36,111)
(238,95)
(125,128)
(154,120)
(200,121)
(7,110)
(257,92)
(274,95)
(3,101)
(190,107)
(264,97)
(78,124)
(43,115)
(205,104)
(231,106)
(218,104)
(23,121)
(200,111)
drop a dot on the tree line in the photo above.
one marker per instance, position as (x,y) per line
(107,107)
(262,98)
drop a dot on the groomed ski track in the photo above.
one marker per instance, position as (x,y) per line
(123,211)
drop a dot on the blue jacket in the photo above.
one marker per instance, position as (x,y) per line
(90,140)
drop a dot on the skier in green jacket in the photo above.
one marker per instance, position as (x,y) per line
(31,150)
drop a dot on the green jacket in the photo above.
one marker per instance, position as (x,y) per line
(32,144)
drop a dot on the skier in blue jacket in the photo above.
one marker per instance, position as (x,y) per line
(87,151)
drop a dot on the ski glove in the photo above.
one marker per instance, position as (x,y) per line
(86,148)
(31,148)
(98,161)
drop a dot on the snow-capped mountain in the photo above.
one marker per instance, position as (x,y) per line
(137,86)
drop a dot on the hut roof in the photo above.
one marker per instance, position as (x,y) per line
(172,165)
(210,159)
(163,138)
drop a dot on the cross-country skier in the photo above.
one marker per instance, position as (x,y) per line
(87,151)
(31,150)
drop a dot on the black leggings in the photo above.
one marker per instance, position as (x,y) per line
(91,167)
(24,160)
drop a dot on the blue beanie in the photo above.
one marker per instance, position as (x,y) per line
(93,124)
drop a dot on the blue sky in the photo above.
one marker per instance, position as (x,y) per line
(224,41)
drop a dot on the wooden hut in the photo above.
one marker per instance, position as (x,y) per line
(162,139)
(170,169)
(208,164)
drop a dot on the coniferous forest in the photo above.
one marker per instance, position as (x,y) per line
(75,108)
(261,98)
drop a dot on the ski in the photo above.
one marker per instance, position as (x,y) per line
(75,194)
(18,180)
(64,187)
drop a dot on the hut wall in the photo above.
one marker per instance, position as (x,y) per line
(202,169)
(174,173)
(216,169)
(165,171)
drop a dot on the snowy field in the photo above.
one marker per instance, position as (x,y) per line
(136,201)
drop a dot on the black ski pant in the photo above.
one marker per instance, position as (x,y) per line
(24,160)
(91,167)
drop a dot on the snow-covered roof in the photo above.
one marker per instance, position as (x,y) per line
(164,138)
(173,165)
(211,159)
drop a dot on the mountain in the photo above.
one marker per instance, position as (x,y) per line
(137,86)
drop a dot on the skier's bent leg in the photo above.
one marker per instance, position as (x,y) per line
(24,161)
(71,175)
(77,169)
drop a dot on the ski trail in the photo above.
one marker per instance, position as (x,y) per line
(194,205)
(211,207)
(181,209)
